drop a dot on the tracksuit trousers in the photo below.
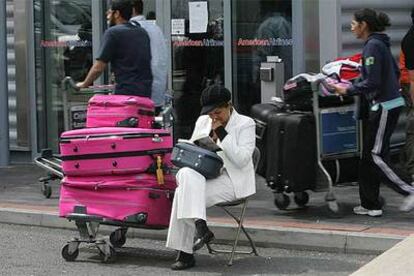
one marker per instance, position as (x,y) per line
(375,166)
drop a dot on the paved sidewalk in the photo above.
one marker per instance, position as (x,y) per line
(395,261)
(21,201)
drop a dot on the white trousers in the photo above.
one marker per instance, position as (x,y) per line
(193,195)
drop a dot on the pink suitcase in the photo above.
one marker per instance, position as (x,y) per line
(114,150)
(120,110)
(136,199)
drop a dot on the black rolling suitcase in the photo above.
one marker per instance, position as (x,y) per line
(260,114)
(291,152)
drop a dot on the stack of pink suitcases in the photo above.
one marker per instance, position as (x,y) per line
(118,167)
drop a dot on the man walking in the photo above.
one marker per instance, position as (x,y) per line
(159,61)
(127,47)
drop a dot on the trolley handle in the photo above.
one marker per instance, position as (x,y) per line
(99,89)
(69,83)
(326,85)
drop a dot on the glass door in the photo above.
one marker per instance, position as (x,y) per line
(197,57)
(63,38)
(68,35)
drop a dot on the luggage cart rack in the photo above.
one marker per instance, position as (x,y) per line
(343,140)
(88,225)
(88,228)
(338,136)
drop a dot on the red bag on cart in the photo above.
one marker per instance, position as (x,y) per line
(112,150)
(136,199)
(120,111)
(347,68)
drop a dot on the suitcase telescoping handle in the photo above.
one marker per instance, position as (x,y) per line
(128,122)
(260,129)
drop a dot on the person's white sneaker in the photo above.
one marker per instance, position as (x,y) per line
(359,210)
(408,203)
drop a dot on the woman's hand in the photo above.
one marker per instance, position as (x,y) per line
(215,124)
(80,85)
(340,90)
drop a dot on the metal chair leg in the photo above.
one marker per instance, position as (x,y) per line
(252,244)
(239,220)
(240,223)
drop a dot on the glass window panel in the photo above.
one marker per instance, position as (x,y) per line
(198,61)
(149,10)
(260,28)
(63,35)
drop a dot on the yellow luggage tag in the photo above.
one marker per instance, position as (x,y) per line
(159,171)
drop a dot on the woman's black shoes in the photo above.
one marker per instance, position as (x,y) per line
(184,261)
(181,265)
(204,235)
(201,241)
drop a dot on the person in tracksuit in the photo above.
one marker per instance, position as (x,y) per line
(379,87)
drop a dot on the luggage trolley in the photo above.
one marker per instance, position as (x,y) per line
(338,136)
(74,103)
(88,225)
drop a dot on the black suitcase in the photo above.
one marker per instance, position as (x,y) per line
(298,95)
(291,152)
(260,114)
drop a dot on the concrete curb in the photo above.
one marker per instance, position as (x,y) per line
(266,236)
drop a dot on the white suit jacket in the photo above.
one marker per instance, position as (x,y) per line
(238,147)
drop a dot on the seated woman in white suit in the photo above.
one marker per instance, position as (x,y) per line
(235,135)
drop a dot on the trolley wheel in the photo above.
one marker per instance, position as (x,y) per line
(70,257)
(118,238)
(281,201)
(108,258)
(301,198)
(46,189)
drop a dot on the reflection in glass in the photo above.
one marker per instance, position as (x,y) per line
(260,28)
(198,61)
(63,34)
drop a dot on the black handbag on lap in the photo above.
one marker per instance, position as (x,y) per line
(206,162)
